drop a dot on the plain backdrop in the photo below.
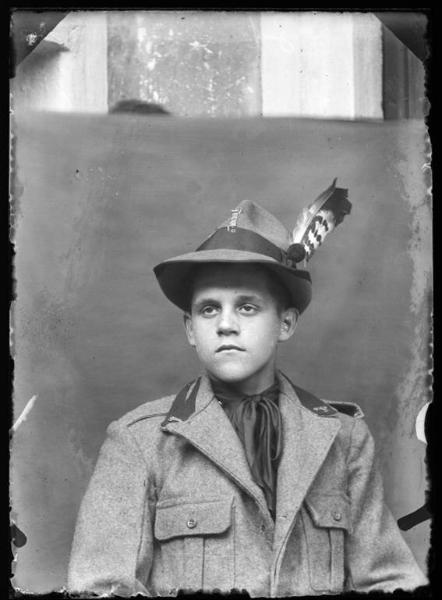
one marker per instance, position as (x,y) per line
(99,200)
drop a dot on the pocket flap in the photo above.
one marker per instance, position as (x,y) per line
(329,510)
(192,518)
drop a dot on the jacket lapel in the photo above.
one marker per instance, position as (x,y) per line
(209,430)
(307,440)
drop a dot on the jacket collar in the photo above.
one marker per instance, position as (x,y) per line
(197,416)
(310,426)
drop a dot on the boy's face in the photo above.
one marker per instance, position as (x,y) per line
(235,324)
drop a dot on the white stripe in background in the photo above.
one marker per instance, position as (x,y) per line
(27,409)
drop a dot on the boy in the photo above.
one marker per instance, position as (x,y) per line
(243,480)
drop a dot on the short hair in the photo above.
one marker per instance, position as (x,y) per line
(278,290)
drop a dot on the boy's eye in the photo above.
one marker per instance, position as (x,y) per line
(208,310)
(248,309)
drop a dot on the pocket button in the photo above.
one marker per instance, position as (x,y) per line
(191,523)
(337,515)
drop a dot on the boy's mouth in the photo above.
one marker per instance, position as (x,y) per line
(226,347)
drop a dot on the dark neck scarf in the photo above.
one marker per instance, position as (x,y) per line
(257,422)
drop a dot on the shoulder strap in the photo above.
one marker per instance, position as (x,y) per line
(325,408)
(348,408)
(312,402)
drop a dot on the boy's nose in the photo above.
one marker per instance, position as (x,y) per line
(227,322)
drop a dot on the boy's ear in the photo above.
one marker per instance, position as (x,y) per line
(289,320)
(189,329)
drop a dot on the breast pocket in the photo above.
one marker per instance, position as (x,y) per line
(326,522)
(196,544)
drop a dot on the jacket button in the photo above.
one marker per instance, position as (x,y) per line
(337,516)
(191,523)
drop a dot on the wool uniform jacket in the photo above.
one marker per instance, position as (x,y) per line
(172,506)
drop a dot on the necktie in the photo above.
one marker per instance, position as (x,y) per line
(257,422)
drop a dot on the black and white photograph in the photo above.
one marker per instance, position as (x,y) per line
(221,324)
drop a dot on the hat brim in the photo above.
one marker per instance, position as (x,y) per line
(173,275)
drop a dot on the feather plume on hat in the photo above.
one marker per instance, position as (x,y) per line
(317,220)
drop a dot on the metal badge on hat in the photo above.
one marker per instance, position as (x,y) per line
(316,221)
(231,227)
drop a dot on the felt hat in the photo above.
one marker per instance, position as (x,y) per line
(251,235)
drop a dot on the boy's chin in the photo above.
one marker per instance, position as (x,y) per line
(233,376)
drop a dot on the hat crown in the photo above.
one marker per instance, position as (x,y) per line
(250,215)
